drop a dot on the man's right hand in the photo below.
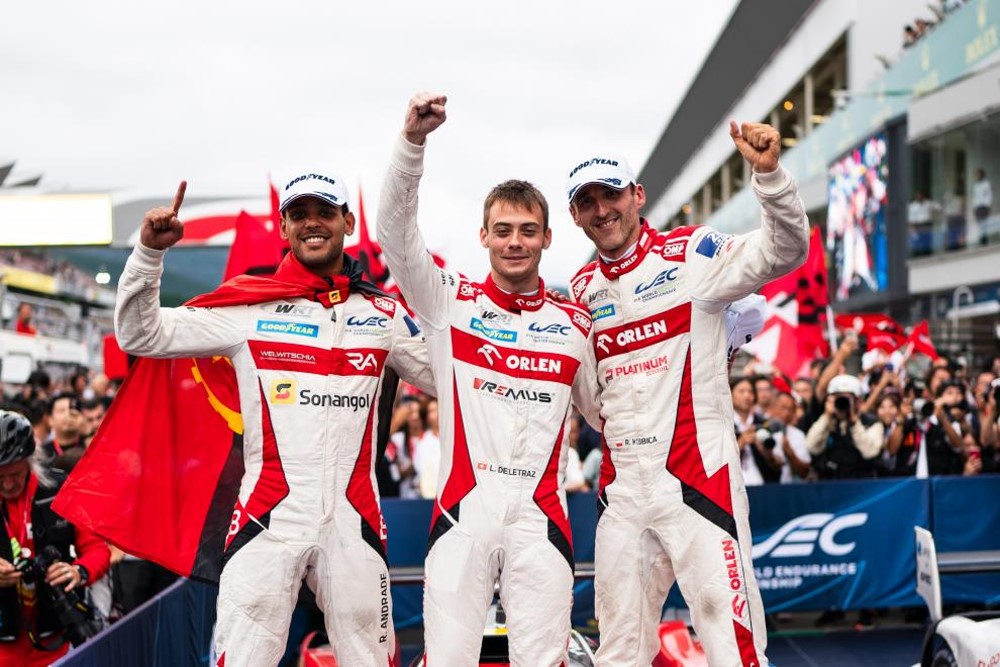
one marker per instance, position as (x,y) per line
(8,574)
(160,227)
(424,114)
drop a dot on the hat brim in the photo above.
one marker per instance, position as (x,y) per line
(613,183)
(323,196)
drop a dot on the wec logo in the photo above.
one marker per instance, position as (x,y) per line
(373,321)
(662,279)
(553,328)
(799,537)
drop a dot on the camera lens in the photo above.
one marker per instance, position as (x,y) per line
(926,410)
(842,404)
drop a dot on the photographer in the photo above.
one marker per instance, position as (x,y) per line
(790,440)
(840,445)
(931,440)
(989,421)
(32,631)
(758,452)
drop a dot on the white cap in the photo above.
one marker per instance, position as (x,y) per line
(872,358)
(323,185)
(844,384)
(606,168)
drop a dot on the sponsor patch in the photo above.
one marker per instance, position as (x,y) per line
(493,333)
(602,312)
(294,309)
(289,328)
(711,244)
(283,391)
(554,328)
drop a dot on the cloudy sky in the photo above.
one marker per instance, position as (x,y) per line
(132,96)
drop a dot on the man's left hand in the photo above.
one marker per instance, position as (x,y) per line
(758,143)
(424,114)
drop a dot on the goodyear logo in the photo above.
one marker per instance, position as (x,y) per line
(283,391)
(602,312)
(504,335)
(291,328)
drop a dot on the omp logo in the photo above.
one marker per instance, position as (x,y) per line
(582,321)
(663,278)
(361,361)
(290,328)
(560,329)
(293,309)
(283,391)
(504,335)
(372,321)
(673,249)
(387,305)
(602,312)
(489,352)
(578,288)
(799,537)
(466,290)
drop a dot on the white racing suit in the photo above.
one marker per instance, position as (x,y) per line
(310,382)
(506,366)
(672,502)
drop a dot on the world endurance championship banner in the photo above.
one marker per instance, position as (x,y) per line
(845,545)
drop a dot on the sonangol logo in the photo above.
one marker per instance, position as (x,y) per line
(283,391)
(799,537)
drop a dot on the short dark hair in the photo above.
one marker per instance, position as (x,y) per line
(517,193)
(74,401)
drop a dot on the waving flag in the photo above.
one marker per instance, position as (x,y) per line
(881,331)
(920,340)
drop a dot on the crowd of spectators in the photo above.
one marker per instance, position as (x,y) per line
(72,278)
(913,32)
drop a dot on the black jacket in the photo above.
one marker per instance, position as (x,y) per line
(48,528)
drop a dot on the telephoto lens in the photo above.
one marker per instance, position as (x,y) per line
(842,404)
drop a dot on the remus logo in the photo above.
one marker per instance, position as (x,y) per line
(283,391)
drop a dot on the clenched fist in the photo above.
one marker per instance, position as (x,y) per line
(424,114)
(160,226)
(758,143)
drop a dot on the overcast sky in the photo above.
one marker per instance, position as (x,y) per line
(133,96)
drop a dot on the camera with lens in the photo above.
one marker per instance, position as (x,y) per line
(962,405)
(842,404)
(75,615)
(923,408)
(995,390)
(766,432)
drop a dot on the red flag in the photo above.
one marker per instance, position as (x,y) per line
(161,477)
(881,331)
(115,361)
(275,220)
(256,250)
(920,339)
(793,329)
(366,251)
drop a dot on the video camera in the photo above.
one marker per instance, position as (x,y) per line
(75,615)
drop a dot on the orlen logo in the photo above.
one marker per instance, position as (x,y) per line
(618,268)
(373,321)
(283,391)
(662,279)
(517,362)
(798,537)
(559,329)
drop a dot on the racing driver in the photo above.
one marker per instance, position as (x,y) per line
(505,359)
(309,355)
(672,504)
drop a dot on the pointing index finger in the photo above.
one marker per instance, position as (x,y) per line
(179,197)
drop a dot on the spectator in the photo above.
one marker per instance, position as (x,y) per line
(757,452)
(887,430)
(24,324)
(764,389)
(427,457)
(408,429)
(920,216)
(954,216)
(65,445)
(990,426)
(839,443)
(795,454)
(30,526)
(936,376)
(93,412)
(79,382)
(574,480)
(100,387)
(592,466)
(982,202)
(930,442)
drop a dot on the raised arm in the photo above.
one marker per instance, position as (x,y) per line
(146,330)
(427,289)
(727,268)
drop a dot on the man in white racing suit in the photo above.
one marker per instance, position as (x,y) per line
(672,502)
(505,359)
(310,368)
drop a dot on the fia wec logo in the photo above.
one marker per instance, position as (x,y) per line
(799,537)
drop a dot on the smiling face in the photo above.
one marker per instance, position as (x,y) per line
(515,237)
(609,217)
(315,230)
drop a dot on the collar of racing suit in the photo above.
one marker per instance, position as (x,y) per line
(623,265)
(291,280)
(514,303)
